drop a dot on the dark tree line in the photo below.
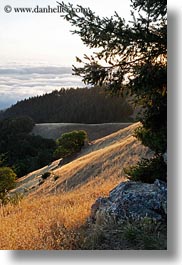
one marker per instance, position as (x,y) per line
(81,105)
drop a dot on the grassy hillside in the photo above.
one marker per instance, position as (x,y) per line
(54,213)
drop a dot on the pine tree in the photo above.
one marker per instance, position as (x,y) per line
(135,56)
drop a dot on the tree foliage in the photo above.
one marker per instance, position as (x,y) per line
(70,143)
(148,170)
(135,56)
(7,179)
(17,125)
(20,150)
(81,105)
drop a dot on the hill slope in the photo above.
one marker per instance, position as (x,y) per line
(54,212)
(102,159)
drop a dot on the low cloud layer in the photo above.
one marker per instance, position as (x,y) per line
(20,82)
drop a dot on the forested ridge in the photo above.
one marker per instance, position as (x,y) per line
(81,105)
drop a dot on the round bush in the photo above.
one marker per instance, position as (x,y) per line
(7,179)
(70,143)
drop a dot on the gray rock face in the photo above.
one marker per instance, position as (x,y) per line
(134,200)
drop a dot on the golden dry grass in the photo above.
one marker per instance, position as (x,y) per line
(47,222)
(106,158)
(52,214)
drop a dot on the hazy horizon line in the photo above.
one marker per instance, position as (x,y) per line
(19,82)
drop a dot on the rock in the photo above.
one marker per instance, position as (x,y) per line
(133,200)
(100,202)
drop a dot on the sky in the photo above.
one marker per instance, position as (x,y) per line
(37,51)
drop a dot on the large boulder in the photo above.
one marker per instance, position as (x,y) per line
(133,200)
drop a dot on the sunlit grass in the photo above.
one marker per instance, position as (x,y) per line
(47,222)
(54,214)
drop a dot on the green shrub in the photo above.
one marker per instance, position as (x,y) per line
(143,234)
(70,143)
(7,182)
(156,141)
(62,152)
(13,199)
(46,175)
(148,170)
(56,178)
(7,179)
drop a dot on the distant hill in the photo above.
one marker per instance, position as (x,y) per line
(94,131)
(81,105)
